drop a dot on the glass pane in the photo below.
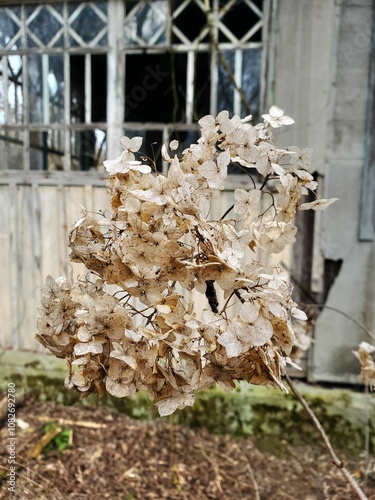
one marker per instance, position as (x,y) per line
(10,28)
(35,83)
(155,88)
(46,88)
(99,88)
(77,88)
(88,24)
(225,90)
(11,97)
(190,19)
(240,18)
(202,83)
(11,150)
(88,149)
(251,73)
(47,150)
(56,87)
(2,91)
(45,25)
(146,23)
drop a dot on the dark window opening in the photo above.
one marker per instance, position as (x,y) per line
(185,140)
(77,88)
(239,19)
(225,86)
(155,88)
(88,149)
(99,88)
(98,84)
(251,71)
(202,85)
(150,151)
(331,271)
(190,21)
(47,150)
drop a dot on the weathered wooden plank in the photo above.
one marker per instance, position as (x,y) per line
(27,286)
(52,242)
(74,200)
(5,269)
(63,231)
(14,270)
(51,178)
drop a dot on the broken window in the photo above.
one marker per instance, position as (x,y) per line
(75,74)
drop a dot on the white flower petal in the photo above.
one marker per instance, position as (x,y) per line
(81,349)
(135,144)
(318,205)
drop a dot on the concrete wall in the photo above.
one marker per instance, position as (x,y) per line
(321,74)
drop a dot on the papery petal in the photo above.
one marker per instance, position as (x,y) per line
(318,205)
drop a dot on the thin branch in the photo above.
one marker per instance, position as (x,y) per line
(221,56)
(325,306)
(265,181)
(335,459)
(226,303)
(227,212)
(253,480)
(237,294)
(346,315)
(245,169)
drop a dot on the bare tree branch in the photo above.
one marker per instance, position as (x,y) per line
(335,459)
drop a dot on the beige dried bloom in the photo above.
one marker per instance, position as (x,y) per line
(366,358)
(142,332)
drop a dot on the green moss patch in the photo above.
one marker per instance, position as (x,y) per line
(267,414)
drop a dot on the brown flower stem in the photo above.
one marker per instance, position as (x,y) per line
(227,212)
(335,459)
(237,294)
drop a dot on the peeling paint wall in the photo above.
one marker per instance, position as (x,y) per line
(322,61)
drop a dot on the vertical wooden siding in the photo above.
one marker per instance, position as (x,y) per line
(36,219)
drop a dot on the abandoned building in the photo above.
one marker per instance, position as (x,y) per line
(76,75)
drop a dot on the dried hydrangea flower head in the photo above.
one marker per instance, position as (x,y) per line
(158,241)
(366,358)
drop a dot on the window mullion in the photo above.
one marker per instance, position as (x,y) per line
(67,99)
(115,93)
(165,139)
(67,147)
(238,79)
(214,59)
(190,87)
(4,61)
(88,88)
(45,71)
(5,88)
(26,107)
(267,69)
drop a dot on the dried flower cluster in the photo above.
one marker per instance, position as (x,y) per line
(157,242)
(366,358)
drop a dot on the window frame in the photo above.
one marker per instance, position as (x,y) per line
(116,52)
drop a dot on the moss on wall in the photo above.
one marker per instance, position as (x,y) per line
(267,414)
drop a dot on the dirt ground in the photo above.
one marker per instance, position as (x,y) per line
(111,456)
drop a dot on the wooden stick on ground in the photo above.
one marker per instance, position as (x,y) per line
(335,459)
(38,448)
(77,423)
(19,400)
